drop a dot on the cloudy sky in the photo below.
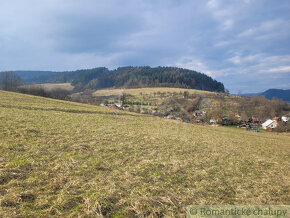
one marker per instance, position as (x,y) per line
(243,43)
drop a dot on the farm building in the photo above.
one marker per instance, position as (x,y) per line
(269,124)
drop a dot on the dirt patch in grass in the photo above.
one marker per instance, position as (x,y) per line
(27,197)
(15,173)
(9,203)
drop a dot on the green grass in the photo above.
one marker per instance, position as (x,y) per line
(61,158)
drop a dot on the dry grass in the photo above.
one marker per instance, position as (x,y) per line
(148,91)
(51,86)
(60,158)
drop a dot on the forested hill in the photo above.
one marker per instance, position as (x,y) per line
(277,93)
(274,93)
(132,77)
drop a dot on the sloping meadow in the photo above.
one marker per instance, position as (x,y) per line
(61,158)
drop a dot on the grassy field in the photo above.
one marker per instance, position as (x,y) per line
(51,86)
(61,158)
(154,96)
(148,91)
(157,100)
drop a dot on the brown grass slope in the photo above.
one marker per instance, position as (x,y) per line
(60,158)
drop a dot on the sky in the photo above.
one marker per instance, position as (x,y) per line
(243,43)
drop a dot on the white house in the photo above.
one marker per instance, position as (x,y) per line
(285,118)
(269,124)
(118,105)
(212,121)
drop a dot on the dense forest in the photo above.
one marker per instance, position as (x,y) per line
(130,77)
(278,93)
(273,93)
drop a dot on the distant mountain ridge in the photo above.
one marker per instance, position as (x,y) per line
(126,77)
(277,93)
(274,93)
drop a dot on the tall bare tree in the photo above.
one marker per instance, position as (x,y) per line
(9,81)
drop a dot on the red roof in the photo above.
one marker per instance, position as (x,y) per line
(255,118)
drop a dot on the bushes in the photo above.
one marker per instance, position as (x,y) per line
(282,127)
(192,106)
(57,93)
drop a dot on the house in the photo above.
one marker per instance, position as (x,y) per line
(277,118)
(244,126)
(285,118)
(212,121)
(118,105)
(254,125)
(219,120)
(255,119)
(269,124)
(169,117)
(199,113)
(224,121)
(238,117)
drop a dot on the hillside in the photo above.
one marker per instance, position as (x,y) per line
(65,159)
(184,104)
(277,93)
(150,91)
(273,93)
(130,77)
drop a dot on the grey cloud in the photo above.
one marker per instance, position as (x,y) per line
(236,42)
(99,34)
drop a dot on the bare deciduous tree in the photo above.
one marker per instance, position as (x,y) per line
(9,81)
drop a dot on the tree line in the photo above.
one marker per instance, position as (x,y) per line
(11,81)
(134,77)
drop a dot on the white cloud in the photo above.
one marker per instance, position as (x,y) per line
(224,43)
(194,64)
(222,13)
(284,69)
(235,60)
(228,24)
(212,4)
(230,40)
(245,59)
(264,28)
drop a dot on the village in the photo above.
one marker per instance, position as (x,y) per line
(253,123)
